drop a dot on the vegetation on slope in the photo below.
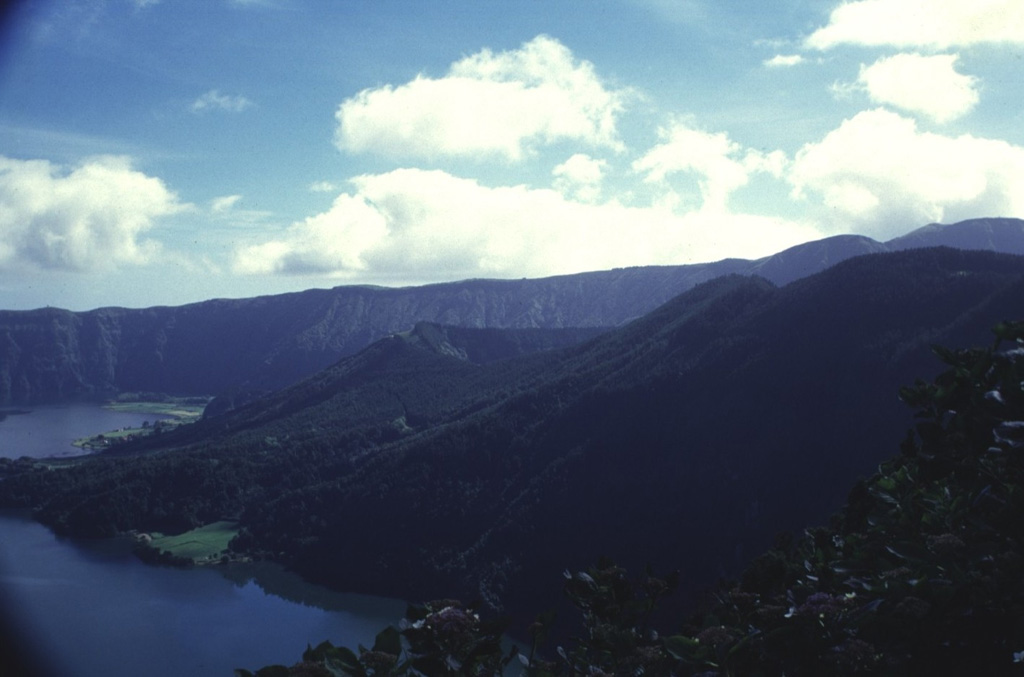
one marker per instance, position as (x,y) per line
(734,411)
(921,573)
(725,416)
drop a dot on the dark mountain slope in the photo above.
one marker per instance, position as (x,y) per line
(486,345)
(745,416)
(688,438)
(265,343)
(478,346)
(919,573)
(314,431)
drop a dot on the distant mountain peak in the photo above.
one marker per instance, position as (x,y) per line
(999,234)
(812,257)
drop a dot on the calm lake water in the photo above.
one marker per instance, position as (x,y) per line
(93,609)
(50,430)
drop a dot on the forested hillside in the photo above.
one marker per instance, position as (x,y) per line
(688,438)
(918,574)
(265,343)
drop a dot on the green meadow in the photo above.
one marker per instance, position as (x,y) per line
(205,543)
(174,411)
(184,413)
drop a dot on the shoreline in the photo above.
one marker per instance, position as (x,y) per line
(167,416)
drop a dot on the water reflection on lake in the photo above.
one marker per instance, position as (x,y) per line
(91,608)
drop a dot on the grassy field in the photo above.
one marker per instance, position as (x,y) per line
(206,543)
(184,413)
(176,411)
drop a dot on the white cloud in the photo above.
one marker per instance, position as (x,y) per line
(580,177)
(223,204)
(928,85)
(720,164)
(489,104)
(140,4)
(414,225)
(92,217)
(934,24)
(214,100)
(784,60)
(881,175)
(323,187)
(334,242)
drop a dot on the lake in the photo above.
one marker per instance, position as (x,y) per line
(92,609)
(49,430)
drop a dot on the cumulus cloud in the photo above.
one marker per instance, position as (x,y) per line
(489,104)
(580,177)
(934,24)
(784,60)
(415,225)
(214,100)
(92,217)
(720,164)
(929,85)
(323,187)
(881,174)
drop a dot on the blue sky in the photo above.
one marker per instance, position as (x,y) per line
(157,152)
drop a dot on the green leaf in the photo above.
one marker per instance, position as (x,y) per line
(346,658)
(680,646)
(735,649)
(1009,331)
(389,641)
(886,483)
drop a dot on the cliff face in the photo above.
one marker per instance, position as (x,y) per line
(265,343)
(269,342)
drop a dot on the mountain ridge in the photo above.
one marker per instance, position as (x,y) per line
(688,437)
(267,342)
